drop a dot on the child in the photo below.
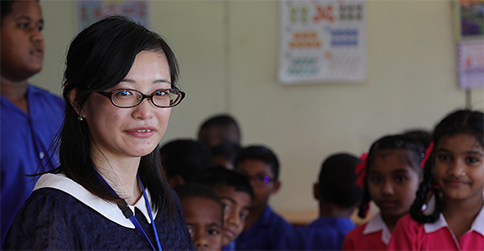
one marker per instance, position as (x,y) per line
(183,160)
(219,129)
(203,214)
(263,228)
(393,173)
(453,218)
(30,116)
(224,154)
(236,194)
(338,195)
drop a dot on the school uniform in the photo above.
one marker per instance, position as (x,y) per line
(372,235)
(264,234)
(412,235)
(325,233)
(62,215)
(229,247)
(25,140)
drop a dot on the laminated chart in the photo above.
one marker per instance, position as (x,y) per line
(322,41)
(90,11)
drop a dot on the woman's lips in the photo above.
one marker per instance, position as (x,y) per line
(141,132)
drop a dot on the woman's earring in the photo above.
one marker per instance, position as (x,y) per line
(80,118)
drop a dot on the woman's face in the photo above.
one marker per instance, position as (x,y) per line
(130,132)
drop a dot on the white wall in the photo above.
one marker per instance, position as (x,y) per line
(228,53)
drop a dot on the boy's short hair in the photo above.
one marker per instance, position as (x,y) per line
(337,180)
(228,150)
(6,7)
(196,190)
(185,157)
(220,177)
(261,153)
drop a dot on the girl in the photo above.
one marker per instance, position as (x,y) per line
(453,218)
(391,179)
(120,85)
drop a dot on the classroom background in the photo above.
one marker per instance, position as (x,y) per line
(228,53)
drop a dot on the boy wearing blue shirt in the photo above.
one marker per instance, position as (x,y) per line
(338,195)
(30,116)
(263,228)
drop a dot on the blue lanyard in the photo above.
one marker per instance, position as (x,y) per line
(129,214)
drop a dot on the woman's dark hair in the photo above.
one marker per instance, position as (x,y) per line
(391,142)
(460,121)
(98,59)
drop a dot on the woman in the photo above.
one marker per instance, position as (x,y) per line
(119,87)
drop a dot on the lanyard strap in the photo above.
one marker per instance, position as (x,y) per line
(129,214)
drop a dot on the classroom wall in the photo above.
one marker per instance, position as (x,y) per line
(228,53)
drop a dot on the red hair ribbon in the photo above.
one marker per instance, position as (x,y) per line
(427,153)
(360,170)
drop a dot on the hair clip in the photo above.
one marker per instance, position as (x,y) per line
(427,153)
(360,170)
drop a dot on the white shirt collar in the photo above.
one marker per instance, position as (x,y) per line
(477,225)
(109,210)
(377,224)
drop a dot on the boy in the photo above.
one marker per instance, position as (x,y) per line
(338,195)
(236,194)
(183,160)
(263,228)
(219,129)
(30,116)
(203,214)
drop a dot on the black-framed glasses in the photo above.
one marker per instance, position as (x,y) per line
(128,98)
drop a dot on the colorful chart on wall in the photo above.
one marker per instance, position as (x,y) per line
(471,64)
(322,41)
(469,19)
(90,11)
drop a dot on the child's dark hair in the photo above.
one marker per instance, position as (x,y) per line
(196,190)
(261,153)
(185,157)
(228,150)
(391,142)
(221,177)
(337,180)
(6,7)
(460,121)
(221,120)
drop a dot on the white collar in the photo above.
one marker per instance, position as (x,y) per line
(377,224)
(477,225)
(109,210)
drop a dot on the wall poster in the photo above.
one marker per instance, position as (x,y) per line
(90,11)
(322,41)
(469,19)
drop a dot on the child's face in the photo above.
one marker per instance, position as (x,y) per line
(22,44)
(236,210)
(261,178)
(459,168)
(204,221)
(392,183)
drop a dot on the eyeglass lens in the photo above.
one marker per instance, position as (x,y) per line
(128,98)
